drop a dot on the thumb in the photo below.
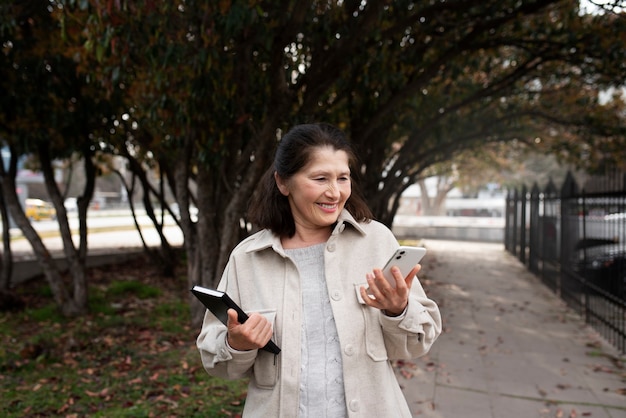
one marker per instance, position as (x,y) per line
(411,276)
(233,320)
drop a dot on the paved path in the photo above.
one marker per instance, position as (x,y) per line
(510,348)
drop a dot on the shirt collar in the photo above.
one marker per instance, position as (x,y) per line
(346,218)
(267,239)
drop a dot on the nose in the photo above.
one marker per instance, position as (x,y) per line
(333,188)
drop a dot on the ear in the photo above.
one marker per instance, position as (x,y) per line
(281,184)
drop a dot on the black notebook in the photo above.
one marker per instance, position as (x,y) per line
(219,303)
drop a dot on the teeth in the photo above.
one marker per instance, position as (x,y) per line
(327,206)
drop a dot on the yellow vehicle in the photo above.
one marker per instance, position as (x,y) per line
(37,209)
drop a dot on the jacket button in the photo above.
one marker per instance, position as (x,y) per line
(349,350)
(354,405)
(336,295)
(331,247)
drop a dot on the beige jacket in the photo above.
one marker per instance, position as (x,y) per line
(262,279)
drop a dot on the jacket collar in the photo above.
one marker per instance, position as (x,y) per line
(267,239)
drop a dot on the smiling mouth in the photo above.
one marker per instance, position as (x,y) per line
(328,205)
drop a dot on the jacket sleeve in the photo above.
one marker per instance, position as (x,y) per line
(411,334)
(218,358)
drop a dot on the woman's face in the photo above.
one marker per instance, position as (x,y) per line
(319,191)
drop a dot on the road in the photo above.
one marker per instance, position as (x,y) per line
(107,229)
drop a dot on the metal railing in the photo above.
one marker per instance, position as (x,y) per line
(575,241)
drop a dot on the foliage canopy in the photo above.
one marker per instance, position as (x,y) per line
(203,90)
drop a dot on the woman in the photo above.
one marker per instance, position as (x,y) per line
(312,279)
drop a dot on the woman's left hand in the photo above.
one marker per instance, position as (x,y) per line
(380,294)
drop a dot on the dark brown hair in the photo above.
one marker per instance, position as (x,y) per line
(269,208)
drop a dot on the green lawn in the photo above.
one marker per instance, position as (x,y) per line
(134,355)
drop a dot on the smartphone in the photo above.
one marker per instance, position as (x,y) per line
(405,258)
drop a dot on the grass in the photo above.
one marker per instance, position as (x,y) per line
(133,355)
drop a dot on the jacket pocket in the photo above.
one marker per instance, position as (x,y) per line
(266,364)
(374,340)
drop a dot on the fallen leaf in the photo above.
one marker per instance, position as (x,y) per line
(406,374)
(102,394)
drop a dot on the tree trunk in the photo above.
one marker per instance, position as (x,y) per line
(6,261)
(428,208)
(181,179)
(435,206)
(76,260)
(61,295)
(165,257)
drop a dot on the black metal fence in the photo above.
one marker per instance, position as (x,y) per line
(574,239)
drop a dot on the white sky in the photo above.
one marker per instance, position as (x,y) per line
(587,6)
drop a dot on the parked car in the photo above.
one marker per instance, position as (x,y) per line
(37,209)
(604,265)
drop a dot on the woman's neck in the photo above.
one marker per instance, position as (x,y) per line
(307,238)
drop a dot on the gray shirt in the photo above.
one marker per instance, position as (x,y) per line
(321,385)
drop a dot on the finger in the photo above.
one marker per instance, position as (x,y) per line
(369,298)
(266,335)
(406,282)
(412,275)
(366,293)
(397,277)
(376,285)
(260,330)
(414,271)
(382,283)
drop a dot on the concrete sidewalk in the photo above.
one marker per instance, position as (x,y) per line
(510,348)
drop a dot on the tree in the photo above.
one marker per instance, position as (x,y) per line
(493,77)
(209,87)
(412,82)
(48,111)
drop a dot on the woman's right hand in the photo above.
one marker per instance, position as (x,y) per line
(253,334)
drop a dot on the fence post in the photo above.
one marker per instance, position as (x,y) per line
(569,224)
(507,221)
(515,223)
(533,264)
(522,226)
